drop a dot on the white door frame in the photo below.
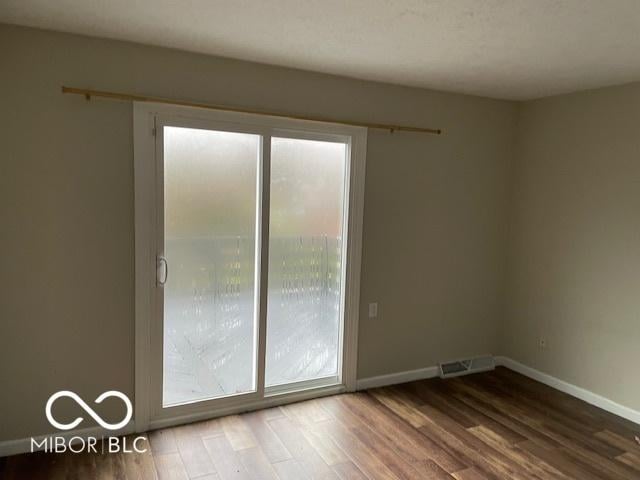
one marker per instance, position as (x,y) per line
(145,118)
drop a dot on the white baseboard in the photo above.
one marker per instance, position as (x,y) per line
(573,390)
(23,445)
(566,387)
(394,378)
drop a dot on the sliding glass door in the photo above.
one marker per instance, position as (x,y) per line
(306,246)
(251,258)
(210,217)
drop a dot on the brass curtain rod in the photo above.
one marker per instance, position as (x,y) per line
(141,98)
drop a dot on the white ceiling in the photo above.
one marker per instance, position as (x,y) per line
(512,49)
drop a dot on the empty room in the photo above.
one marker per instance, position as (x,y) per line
(337,240)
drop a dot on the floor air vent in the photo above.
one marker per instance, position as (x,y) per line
(464,367)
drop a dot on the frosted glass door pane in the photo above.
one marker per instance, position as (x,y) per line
(210,185)
(305,259)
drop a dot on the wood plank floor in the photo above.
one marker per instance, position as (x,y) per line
(496,425)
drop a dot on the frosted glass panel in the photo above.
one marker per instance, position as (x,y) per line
(305,255)
(210,181)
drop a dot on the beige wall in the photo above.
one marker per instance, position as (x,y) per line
(575,241)
(434,229)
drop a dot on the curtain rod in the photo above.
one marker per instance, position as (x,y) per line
(141,98)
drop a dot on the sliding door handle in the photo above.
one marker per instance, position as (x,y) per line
(162,270)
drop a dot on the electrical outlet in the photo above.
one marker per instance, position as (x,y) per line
(542,343)
(373,310)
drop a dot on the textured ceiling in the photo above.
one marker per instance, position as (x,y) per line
(512,49)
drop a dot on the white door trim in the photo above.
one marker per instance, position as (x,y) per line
(145,276)
(145,174)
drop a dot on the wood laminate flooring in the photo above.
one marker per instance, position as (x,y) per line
(494,425)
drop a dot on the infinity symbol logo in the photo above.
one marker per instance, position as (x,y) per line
(89,410)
